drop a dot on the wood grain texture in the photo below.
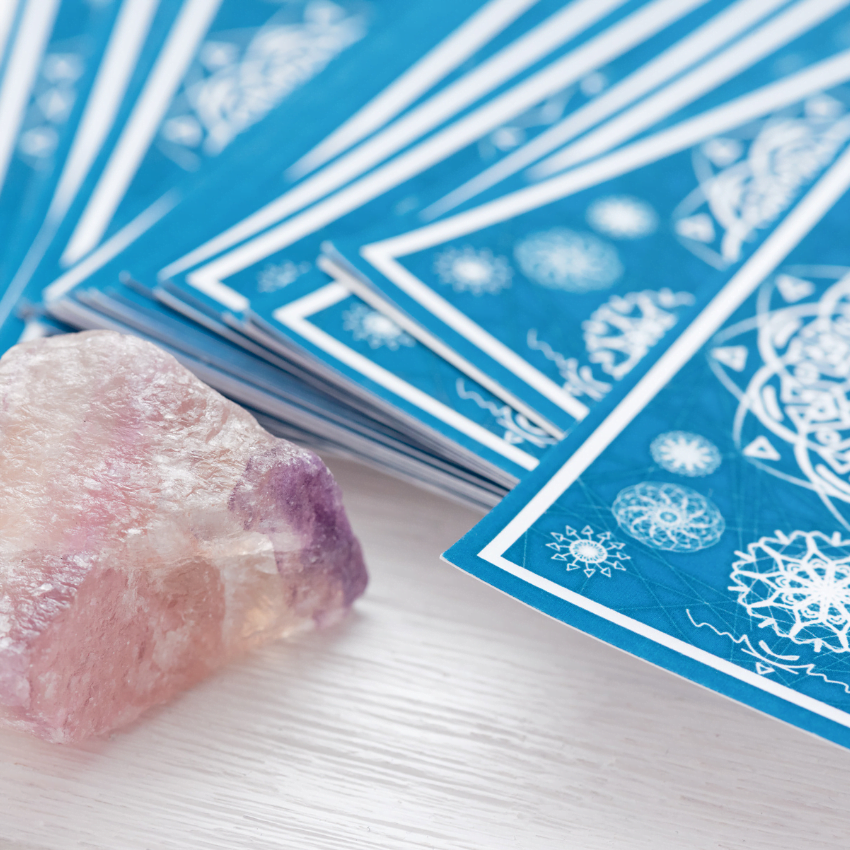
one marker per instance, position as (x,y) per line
(441,715)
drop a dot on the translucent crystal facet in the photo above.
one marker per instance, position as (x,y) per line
(150,531)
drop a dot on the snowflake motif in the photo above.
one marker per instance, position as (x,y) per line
(564,259)
(622,217)
(588,551)
(798,585)
(473,270)
(276,276)
(668,517)
(684,453)
(375,328)
(620,333)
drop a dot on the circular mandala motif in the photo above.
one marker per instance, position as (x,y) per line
(374,328)
(622,217)
(564,259)
(684,453)
(799,585)
(668,517)
(588,551)
(477,271)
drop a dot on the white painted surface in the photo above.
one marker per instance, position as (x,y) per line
(441,715)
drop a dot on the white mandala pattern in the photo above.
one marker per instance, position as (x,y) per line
(588,551)
(564,259)
(275,276)
(375,328)
(683,453)
(243,74)
(622,217)
(744,185)
(798,585)
(668,517)
(474,270)
(620,333)
(793,385)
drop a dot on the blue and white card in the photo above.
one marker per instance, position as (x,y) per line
(558,292)
(369,350)
(402,55)
(182,82)
(512,72)
(704,525)
(52,50)
(232,278)
(696,72)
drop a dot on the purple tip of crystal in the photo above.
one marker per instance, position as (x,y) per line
(290,495)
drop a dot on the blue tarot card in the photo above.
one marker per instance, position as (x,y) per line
(191,76)
(399,55)
(232,277)
(557,34)
(623,41)
(384,200)
(369,350)
(558,292)
(705,524)
(51,53)
(693,73)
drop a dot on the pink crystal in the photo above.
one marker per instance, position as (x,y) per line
(150,531)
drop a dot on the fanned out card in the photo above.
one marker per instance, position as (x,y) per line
(556,292)
(232,278)
(178,83)
(367,86)
(555,35)
(631,27)
(501,427)
(472,402)
(705,524)
(290,280)
(368,349)
(52,50)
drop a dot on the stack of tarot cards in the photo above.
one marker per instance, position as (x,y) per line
(592,252)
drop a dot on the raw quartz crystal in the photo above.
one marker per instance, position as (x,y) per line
(150,531)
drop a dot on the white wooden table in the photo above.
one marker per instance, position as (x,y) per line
(441,715)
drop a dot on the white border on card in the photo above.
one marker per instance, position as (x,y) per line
(180,47)
(468,38)
(384,255)
(295,316)
(7,21)
(617,39)
(119,59)
(777,32)
(684,54)
(209,279)
(31,40)
(808,212)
